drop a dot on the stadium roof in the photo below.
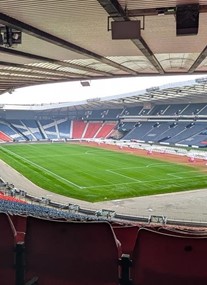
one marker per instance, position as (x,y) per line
(72,40)
(193,91)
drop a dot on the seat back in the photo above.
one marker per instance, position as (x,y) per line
(71,253)
(160,258)
(7,253)
(127,236)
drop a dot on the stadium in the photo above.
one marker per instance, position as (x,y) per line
(105,190)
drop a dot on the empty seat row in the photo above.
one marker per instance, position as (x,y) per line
(83,253)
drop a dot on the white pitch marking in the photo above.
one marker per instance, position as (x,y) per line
(124,175)
(46,170)
(173,175)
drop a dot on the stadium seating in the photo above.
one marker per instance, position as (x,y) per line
(194,109)
(64,128)
(71,253)
(32,126)
(20,127)
(48,128)
(140,131)
(47,251)
(78,128)
(4,137)
(92,129)
(159,110)
(105,130)
(127,235)
(7,242)
(132,111)
(175,109)
(10,198)
(7,129)
(161,258)
(111,114)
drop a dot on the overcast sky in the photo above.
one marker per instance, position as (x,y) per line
(73,91)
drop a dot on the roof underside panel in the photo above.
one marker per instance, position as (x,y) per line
(71,40)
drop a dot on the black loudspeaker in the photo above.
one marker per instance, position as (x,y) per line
(125,30)
(187,19)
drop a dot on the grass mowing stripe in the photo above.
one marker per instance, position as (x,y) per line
(87,168)
(42,168)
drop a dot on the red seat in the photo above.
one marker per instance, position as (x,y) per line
(162,259)
(20,227)
(127,236)
(60,253)
(7,253)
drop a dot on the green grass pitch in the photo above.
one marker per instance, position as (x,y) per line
(94,174)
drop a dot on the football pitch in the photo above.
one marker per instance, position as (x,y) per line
(95,174)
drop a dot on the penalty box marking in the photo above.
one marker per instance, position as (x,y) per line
(183,172)
(139,167)
(134,179)
(137,181)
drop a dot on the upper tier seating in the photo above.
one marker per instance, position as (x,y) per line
(194,109)
(175,109)
(159,110)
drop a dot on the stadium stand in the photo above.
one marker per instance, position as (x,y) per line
(111,114)
(159,110)
(33,128)
(4,137)
(194,109)
(126,126)
(7,129)
(132,111)
(49,128)
(175,109)
(157,130)
(22,129)
(92,129)
(10,198)
(64,128)
(140,131)
(105,130)
(173,123)
(203,111)
(91,115)
(78,129)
